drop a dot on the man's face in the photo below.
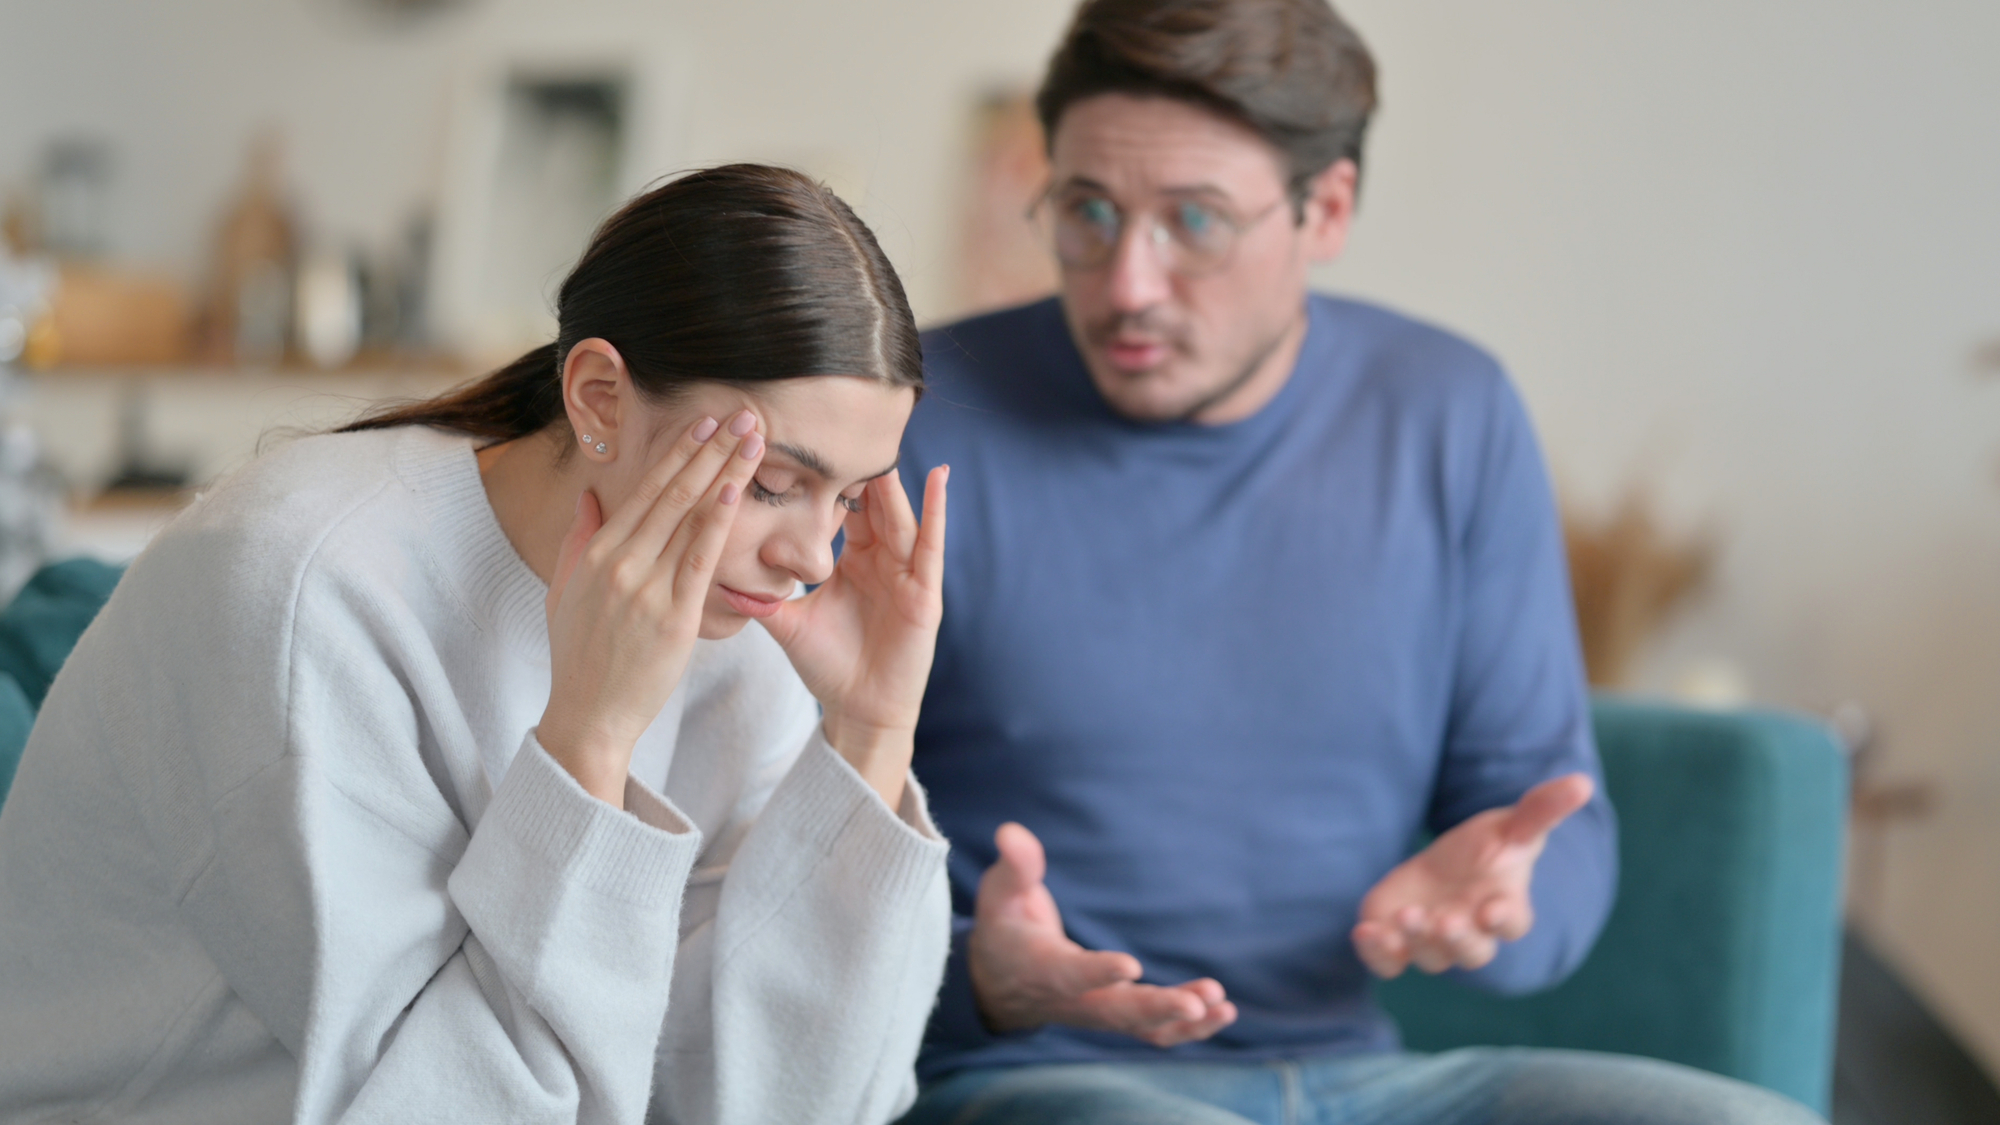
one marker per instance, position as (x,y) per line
(1168,334)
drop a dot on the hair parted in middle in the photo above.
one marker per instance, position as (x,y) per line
(1291,70)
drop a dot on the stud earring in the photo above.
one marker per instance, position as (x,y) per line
(600,447)
(586,439)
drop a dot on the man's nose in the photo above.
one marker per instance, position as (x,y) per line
(1139,277)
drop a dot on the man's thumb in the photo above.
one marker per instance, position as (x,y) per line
(1547,805)
(1021,863)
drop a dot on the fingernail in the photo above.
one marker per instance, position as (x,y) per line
(728,495)
(706,428)
(743,423)
(753,446)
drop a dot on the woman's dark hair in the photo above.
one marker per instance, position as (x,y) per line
(1291,70)
(741,274)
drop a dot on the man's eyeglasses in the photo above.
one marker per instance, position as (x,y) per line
(1191,237)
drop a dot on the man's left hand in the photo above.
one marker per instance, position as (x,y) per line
(1452,904)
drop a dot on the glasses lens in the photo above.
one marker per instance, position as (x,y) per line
(1190,237)
(1201,235)
(1086,231)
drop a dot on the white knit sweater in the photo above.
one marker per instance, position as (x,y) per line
(283,846)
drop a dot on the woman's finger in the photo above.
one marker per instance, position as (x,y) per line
(858,527)
(623,522)
(696,546)
(899,524)
(928,559)
(717,458)
(589,517)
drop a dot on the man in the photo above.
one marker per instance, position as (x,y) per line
(1248,589)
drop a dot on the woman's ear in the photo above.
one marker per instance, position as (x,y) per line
(598,396)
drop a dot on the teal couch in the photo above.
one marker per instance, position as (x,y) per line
(1721,952)
(36,633)
(1723,949)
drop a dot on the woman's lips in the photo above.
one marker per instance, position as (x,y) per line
(749,605)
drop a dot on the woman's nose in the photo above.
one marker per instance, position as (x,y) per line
(806,551)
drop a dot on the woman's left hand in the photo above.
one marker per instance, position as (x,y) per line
(863,640)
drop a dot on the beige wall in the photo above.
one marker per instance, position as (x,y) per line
(1743,253)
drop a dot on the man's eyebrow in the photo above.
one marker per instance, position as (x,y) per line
(815,464)
(1085,183)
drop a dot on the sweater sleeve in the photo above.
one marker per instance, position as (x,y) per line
(1520,709)
(413,969)
(803,997)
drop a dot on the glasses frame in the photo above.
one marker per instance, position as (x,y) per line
(1043,213)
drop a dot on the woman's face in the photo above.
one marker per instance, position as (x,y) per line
(826,437)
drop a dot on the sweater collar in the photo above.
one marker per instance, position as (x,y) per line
(499,590)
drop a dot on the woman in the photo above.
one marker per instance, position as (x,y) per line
(394,783)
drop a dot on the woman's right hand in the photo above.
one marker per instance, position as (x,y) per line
(626,600)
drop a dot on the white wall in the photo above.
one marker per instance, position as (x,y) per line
(1743,253)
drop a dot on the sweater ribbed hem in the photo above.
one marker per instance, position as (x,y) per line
(642,857)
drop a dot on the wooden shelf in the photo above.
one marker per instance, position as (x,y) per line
(427,370)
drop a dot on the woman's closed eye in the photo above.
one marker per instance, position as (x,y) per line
(778,498)
(759,492)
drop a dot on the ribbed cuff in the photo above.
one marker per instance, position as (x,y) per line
(915,808)
(955,1022)
(898,852)
(642,855)
(822,814)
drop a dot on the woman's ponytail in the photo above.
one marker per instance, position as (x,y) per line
(521,398)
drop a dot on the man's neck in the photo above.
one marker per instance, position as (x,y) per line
(1261,380)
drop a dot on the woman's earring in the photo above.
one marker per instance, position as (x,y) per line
(586,439)
(600,447)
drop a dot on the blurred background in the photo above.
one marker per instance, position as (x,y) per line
(1743,260)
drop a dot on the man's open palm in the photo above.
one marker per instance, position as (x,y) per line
(1026,971)
(1451,904)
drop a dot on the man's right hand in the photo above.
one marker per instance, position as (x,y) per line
(1026,972)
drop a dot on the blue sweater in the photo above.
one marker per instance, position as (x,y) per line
(1229,674)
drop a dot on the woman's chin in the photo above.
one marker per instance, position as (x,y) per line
(719,623)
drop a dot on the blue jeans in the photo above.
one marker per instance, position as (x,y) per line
(1474,1086)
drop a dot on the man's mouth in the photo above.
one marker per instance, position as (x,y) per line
(751,605)
(1135,354)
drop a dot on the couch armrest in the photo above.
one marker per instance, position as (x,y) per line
(1723,949)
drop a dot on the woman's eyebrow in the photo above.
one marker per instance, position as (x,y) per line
(815,464)
(805,458)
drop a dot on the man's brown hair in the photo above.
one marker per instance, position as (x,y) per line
(1291,70)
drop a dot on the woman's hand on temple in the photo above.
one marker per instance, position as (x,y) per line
(863,640)
(625,603)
